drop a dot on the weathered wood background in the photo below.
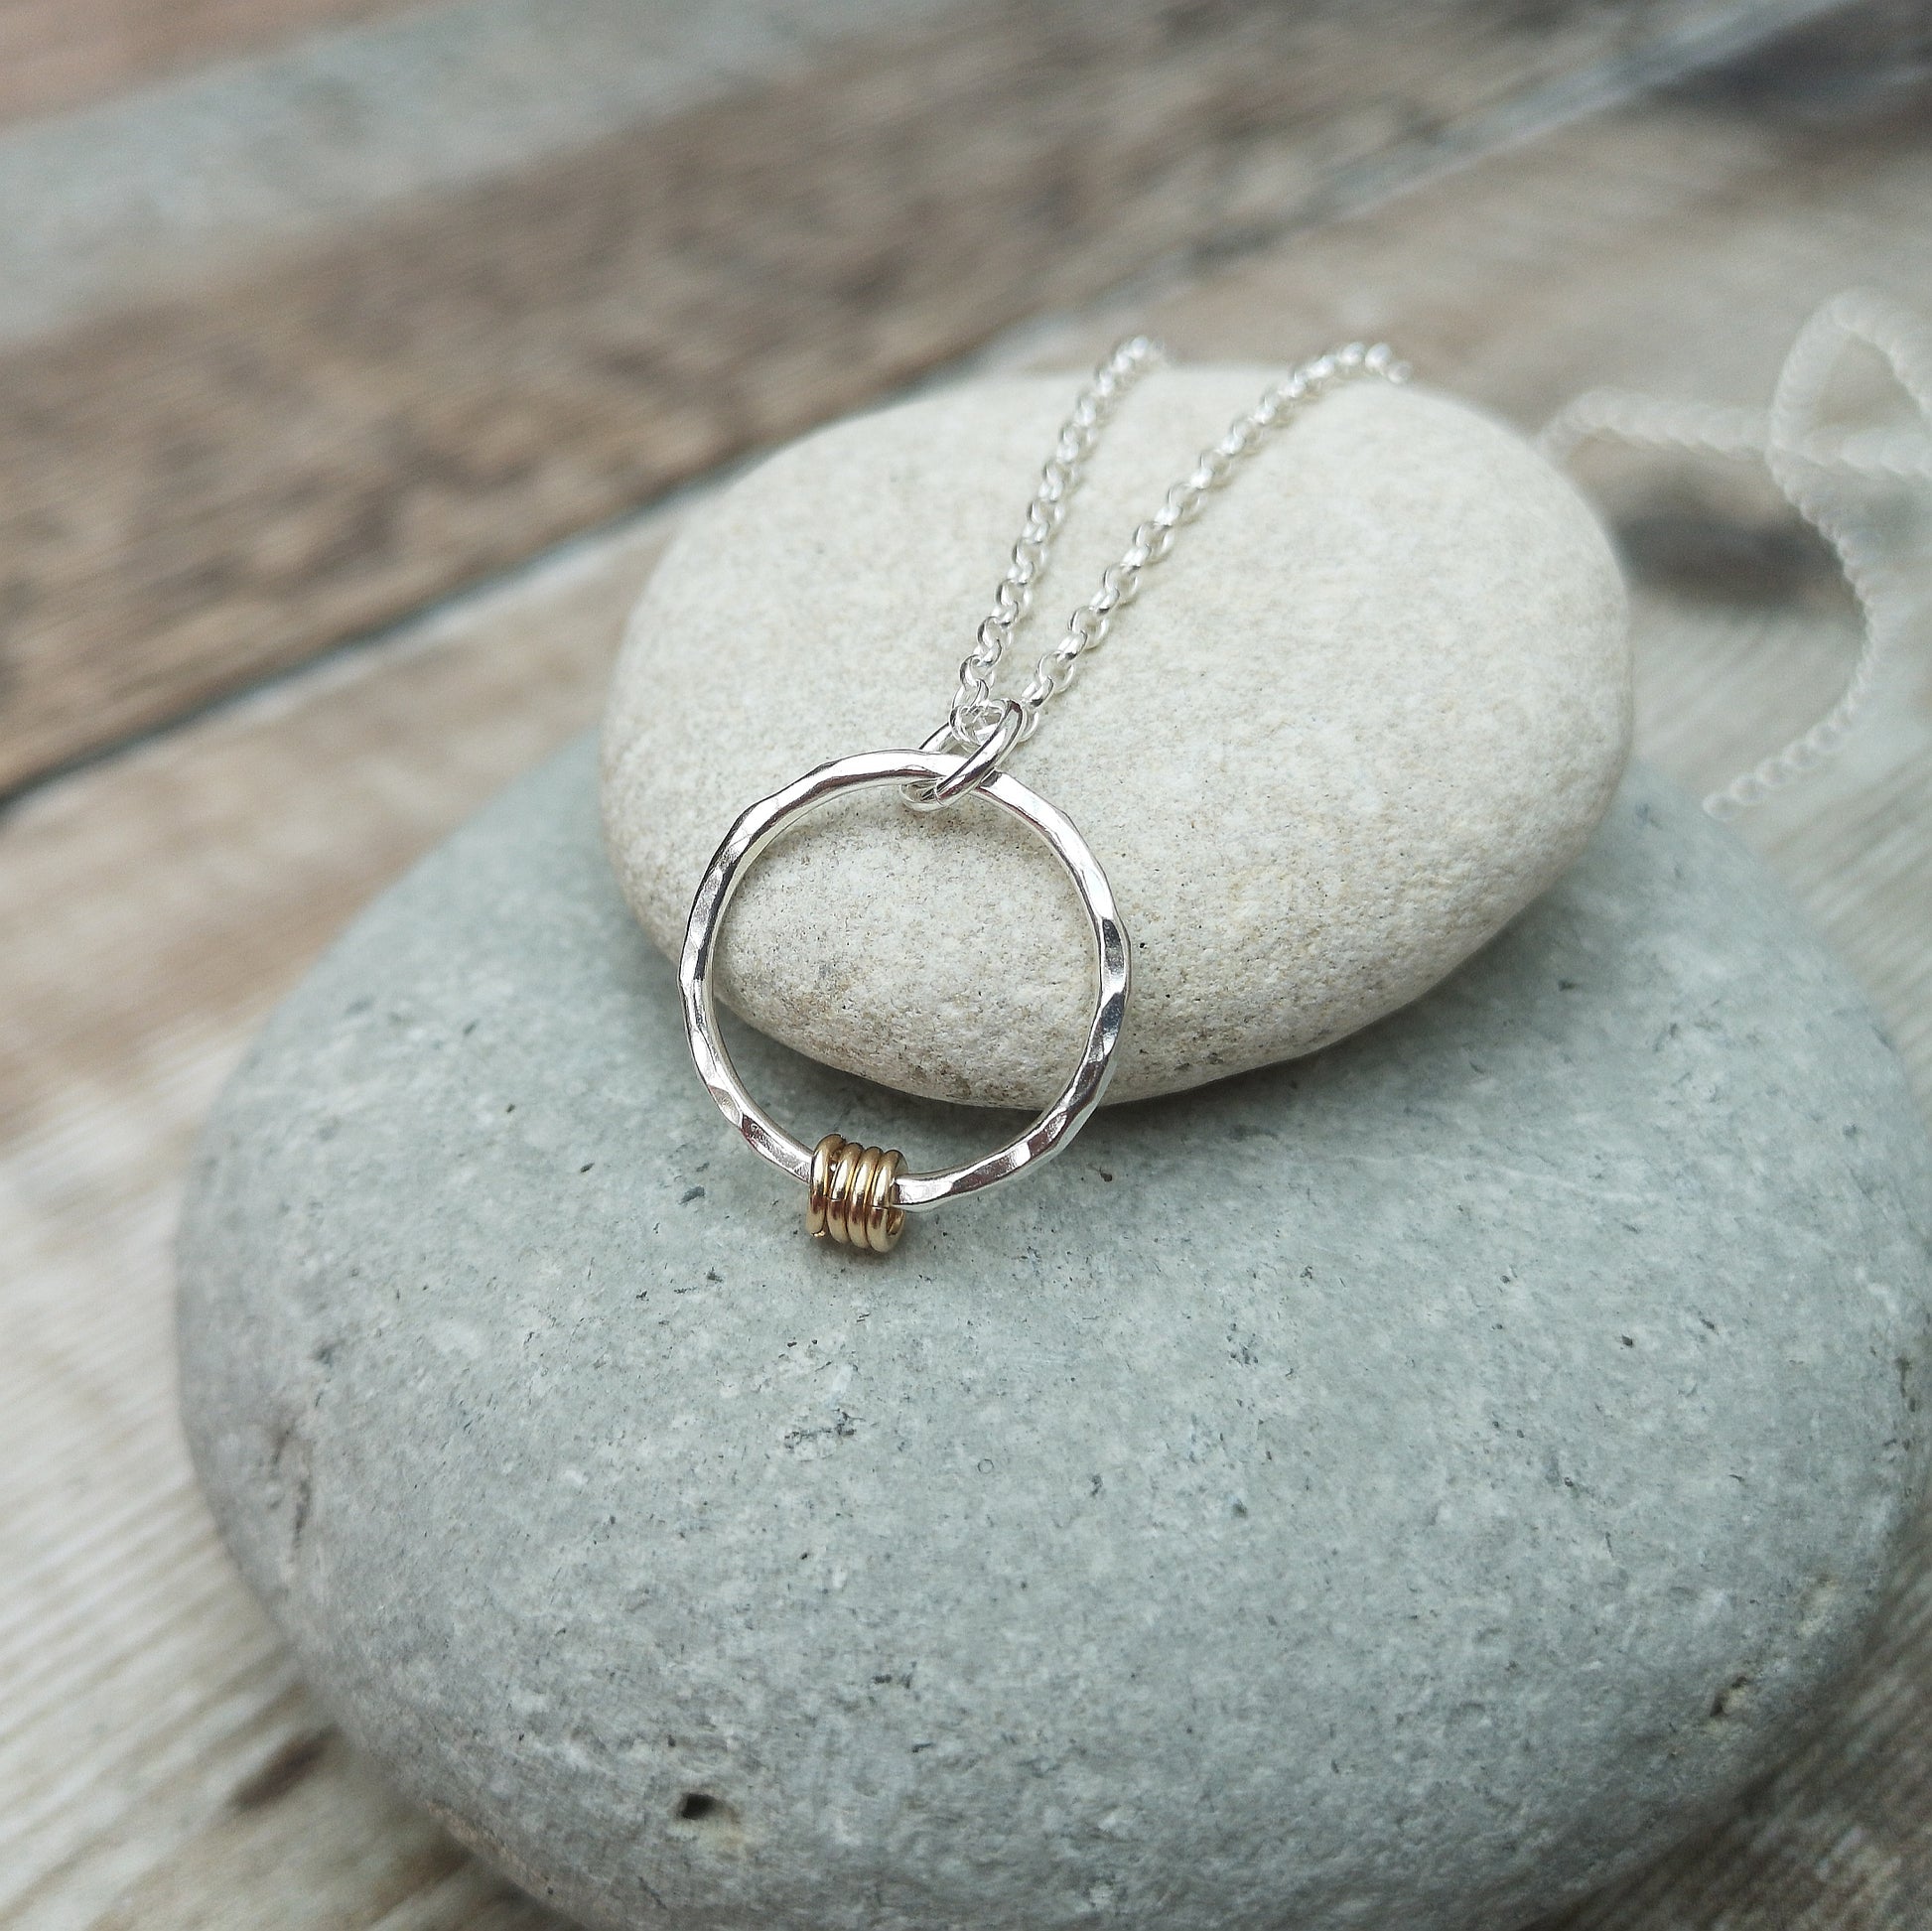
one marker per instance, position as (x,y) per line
(208,479)
(345,391)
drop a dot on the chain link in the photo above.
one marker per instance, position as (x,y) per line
(977,713)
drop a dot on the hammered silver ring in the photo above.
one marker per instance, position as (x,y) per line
(749,838)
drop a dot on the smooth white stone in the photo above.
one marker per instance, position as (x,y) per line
(1372,706)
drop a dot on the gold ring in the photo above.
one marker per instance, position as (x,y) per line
(851,1199)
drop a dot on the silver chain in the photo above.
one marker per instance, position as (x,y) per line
(1803,458)
(977,713)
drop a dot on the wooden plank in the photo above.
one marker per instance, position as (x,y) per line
(56,53)
(157,1764)
(242,446)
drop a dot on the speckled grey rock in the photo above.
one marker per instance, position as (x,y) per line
(1373,704)
(1397,1489)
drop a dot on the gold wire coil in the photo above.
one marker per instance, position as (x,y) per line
(851,1195)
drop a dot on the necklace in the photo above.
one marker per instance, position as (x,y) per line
(859,1196)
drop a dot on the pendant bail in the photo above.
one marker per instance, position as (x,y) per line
(976,767)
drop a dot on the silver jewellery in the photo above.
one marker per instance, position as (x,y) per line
(859,1196)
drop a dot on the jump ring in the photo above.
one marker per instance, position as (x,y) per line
(976,767)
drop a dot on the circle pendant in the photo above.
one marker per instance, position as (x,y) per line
(755,831)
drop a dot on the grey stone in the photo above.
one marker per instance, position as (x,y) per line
(1373,704)
(1399,1488)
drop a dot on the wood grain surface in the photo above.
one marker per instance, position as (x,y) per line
(56,53)
(241,464)
(159,1765)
